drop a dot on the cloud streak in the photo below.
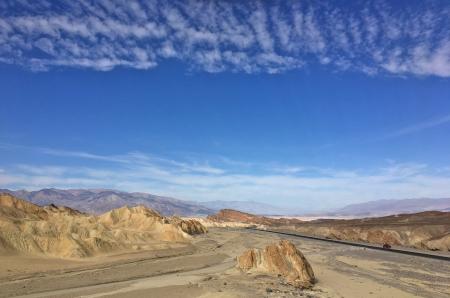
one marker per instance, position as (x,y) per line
(216,36)
(418,127)
(306,187)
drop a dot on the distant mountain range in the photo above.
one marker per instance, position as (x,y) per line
(388,207)
(102,200)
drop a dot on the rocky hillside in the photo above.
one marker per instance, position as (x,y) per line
(282,259)
(65,232)
(98,201)
(424,230)
(190,226)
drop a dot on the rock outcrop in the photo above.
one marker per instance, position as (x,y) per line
(281,258)
(208,223)
(140,219)
(65,232)
(190,226)
(15,208)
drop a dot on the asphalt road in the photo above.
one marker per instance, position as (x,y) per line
(400,250)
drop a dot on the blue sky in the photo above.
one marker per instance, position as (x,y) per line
(307,105)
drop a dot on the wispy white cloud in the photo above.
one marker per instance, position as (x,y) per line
(137,159)
(216,36)
(418,127)
(306,187)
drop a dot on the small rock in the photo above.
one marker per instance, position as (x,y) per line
(269,290)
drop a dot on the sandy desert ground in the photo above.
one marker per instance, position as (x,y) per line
(206,268)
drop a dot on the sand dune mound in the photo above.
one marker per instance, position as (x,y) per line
(279,258)
(190,226)
(65,232)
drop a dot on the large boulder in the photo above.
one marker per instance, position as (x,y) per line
(281,258)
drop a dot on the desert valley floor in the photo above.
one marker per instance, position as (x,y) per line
(207,268)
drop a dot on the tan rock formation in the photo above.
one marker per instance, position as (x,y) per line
(190,226)
(142,220)
(424,230)
(65,232)
(16,208)
(208,223)
(280,258)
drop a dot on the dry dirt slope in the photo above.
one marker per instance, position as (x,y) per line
(65,232)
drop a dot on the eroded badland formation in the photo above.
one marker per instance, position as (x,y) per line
(65,232)
(428,230)
(55,251)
